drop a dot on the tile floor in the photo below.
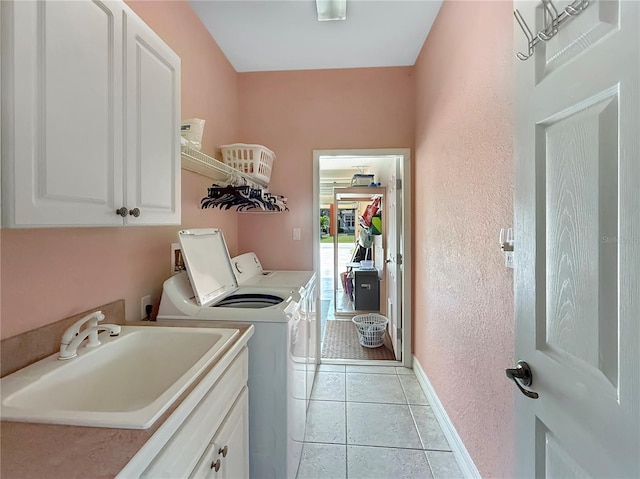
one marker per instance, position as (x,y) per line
(373,422)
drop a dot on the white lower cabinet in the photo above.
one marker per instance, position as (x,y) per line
(206,438)
(227,455)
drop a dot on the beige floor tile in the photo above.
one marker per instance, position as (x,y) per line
(378,388)
(323,461)
(326,422)
(329,386)
(381,425)
(430,432)
(386,463)
(444,465)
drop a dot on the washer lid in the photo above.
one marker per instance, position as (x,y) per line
(207,260)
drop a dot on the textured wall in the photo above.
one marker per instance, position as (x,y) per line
(296,112)
(463,300)
(49,274)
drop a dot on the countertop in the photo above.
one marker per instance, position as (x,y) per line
(38,451)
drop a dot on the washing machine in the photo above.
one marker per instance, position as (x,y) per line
(249,273)
(279,306)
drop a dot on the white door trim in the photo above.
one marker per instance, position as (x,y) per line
(405,153)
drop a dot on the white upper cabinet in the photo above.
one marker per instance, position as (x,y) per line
(91,115)
(152,127)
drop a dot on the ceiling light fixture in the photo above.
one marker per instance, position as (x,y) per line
(331,10)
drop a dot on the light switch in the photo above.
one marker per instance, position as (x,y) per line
(296,234)
(508,259)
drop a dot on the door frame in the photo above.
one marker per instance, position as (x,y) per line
(405,241)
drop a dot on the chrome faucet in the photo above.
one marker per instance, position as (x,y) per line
(73,337)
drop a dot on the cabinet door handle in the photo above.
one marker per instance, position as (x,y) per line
(216,465)
(223,451)
(122,211)
(135,212)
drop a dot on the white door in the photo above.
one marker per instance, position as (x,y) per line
(152,85)
(577,244)
(62,112)
(394,213)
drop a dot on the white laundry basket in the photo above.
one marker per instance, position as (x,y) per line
(371,329)
(254,160)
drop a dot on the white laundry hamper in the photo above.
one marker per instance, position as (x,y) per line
(371,329)
(253,160)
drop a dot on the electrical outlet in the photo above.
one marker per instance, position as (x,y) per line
(146,300)
(296,234)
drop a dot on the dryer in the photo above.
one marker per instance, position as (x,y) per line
(249,273)
(281,306)
(303,364)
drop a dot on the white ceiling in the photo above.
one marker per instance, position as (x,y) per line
(271,35)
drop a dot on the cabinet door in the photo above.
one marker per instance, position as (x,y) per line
(152,126)
(227,457)
(232,441)
(209,464)
(61,113)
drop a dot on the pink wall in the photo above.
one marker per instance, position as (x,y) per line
(49,274)
(295,112)
(463,299)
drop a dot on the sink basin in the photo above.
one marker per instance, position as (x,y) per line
(126,382)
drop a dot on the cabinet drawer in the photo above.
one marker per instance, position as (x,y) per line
(182,451)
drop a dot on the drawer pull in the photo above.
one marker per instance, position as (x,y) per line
(223,451)
(216,465)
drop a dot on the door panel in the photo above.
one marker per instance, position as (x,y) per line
(64,64)
(580,181)
(577,245)
(555,461)
(576,36)
(71,99)
(153,127)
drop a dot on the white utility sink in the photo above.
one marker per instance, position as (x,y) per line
(126,382)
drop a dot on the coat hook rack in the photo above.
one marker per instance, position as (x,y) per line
(552,22)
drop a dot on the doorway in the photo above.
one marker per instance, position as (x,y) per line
(361,235)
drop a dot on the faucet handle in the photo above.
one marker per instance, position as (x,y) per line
(74,329)
(94,318)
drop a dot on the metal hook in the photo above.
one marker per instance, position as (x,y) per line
(552,21)
(576,7)
(527,33)
(550,29)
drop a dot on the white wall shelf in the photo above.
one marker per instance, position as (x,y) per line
(205,165)
(222,174)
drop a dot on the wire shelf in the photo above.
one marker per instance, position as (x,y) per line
(205,165)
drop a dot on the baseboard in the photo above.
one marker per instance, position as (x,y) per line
(468,468)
